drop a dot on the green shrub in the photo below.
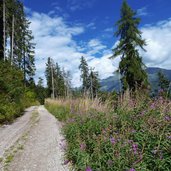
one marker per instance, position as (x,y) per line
(14,97)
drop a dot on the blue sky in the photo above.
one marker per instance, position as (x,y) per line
(68,29)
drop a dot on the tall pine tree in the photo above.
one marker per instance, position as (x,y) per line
(94,83)
(84,74)
(131,66)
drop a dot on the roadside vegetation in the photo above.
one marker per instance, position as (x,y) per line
(14,97)
(136,135)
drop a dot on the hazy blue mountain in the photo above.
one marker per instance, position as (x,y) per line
(112,83)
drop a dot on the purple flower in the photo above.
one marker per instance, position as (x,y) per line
(82,146)
(167,118)
(135,148)
(142,113)
(89,168)
(169,137)
(131,169)
(112,140)
(152,106)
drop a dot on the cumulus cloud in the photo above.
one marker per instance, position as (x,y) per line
(55,37)
(95,46)
(104,65)
(158,49)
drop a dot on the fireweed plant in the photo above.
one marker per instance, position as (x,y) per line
(136,136)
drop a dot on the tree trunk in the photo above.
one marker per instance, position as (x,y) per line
(1,30)
(12,40)
(53,91)
(4,29)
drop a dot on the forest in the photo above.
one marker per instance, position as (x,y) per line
(129,129)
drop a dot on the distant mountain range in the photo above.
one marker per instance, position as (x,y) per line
(113,82)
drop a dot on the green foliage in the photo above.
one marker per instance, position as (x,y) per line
(137,137)
(84,74)
(56,79)
(90,79)
(18,68)
(131,66)
(17,30)
(164,84)
(94,84)
(14,97)
(41,92)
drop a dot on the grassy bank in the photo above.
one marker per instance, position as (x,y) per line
(134,136)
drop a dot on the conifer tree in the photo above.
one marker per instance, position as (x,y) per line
(84,74)
(59,82)
(48,74)
(164,83)
(94,84)
(131,66)
(67,81)
(41,91)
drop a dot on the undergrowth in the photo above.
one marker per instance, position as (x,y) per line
(14,96)
(134,136)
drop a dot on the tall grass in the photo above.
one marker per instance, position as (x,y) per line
(136,135)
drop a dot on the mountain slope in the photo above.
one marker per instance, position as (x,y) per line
(112,83)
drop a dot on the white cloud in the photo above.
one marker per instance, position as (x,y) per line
(142,11)
(158,49)
(104,65)
(109,29)
(74,5)
(95,46)
(91,26)
(55,38)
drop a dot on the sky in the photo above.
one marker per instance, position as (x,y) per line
(65,30)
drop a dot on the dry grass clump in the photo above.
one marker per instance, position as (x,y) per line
(82,106)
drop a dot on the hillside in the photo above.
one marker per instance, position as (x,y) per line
(112,83)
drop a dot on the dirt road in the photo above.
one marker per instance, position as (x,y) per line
(32,143)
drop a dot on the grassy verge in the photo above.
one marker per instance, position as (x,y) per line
(135,136)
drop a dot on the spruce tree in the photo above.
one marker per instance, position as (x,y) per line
(164,83)
(84,74)
(40,91)
(48,74)
(59,82)
(94,84)
(131,66)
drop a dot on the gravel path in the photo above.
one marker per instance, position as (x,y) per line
(9,134)
(42,150)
